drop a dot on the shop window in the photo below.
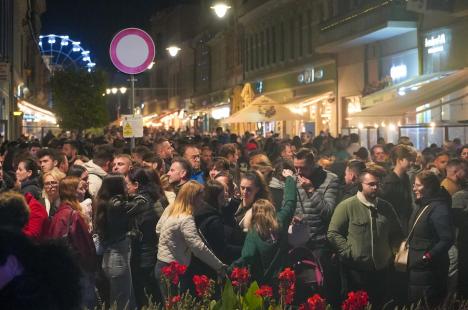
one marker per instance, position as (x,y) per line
(457,132)
(423,137)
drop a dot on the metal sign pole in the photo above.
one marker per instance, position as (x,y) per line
(132,102)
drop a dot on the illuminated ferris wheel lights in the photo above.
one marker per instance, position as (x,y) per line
(65,54)
(76,46)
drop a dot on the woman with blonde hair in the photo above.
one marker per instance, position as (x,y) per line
(178,235)
(50,194)
(71,225)
(265,249)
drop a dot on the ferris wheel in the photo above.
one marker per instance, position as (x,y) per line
(60,53)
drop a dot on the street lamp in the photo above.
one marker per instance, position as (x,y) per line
(119,91)
(220,9)
(173,50)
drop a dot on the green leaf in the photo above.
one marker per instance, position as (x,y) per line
(251,300)
(215,305)
(228,297)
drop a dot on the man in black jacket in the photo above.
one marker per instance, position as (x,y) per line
(396,187)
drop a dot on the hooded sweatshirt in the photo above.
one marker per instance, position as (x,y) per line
(96,174)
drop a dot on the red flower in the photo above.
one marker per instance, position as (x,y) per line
(175,299)
(240,276)
(172,301)
(287,285)
(356,301)
(173,271)
(316,302)
(202,285)
(287,275)
(265,291)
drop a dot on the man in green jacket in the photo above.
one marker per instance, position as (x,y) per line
(365,232)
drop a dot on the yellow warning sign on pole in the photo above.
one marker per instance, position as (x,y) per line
(132,126)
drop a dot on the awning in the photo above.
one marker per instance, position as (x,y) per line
(263,109)
(406,97)
(35,113)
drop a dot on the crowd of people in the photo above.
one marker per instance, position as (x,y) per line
(214,202)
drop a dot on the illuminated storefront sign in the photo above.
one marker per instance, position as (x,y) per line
(398,72)
(310,75)
(435,43)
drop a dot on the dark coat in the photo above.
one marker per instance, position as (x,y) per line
(433,234)
(31,185)
(216,236)
(142,210)
(397,191)
(349,190)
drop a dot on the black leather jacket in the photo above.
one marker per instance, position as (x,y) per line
(144,219)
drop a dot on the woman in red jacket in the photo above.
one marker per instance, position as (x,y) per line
(72,225)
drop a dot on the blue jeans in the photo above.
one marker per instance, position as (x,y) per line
(116,266)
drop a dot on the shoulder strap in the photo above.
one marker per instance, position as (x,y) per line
(300,200)
(415,222)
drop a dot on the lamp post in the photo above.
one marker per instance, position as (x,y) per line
(117,91)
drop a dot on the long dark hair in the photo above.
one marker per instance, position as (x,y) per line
(258,180)
(112,185)
(146,182)
(76,171)
(213,189)
(430,182)
(30,164)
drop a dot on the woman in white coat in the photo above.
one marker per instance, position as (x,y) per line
(178,235)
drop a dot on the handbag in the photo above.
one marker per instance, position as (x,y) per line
(401,257)
(298,231)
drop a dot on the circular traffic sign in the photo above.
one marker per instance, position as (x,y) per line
(132,50)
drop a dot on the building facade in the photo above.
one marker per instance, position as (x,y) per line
(23,75)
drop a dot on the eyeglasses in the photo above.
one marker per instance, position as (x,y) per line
(373,184)
(51,183)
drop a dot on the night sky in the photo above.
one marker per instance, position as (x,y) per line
(94,22)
